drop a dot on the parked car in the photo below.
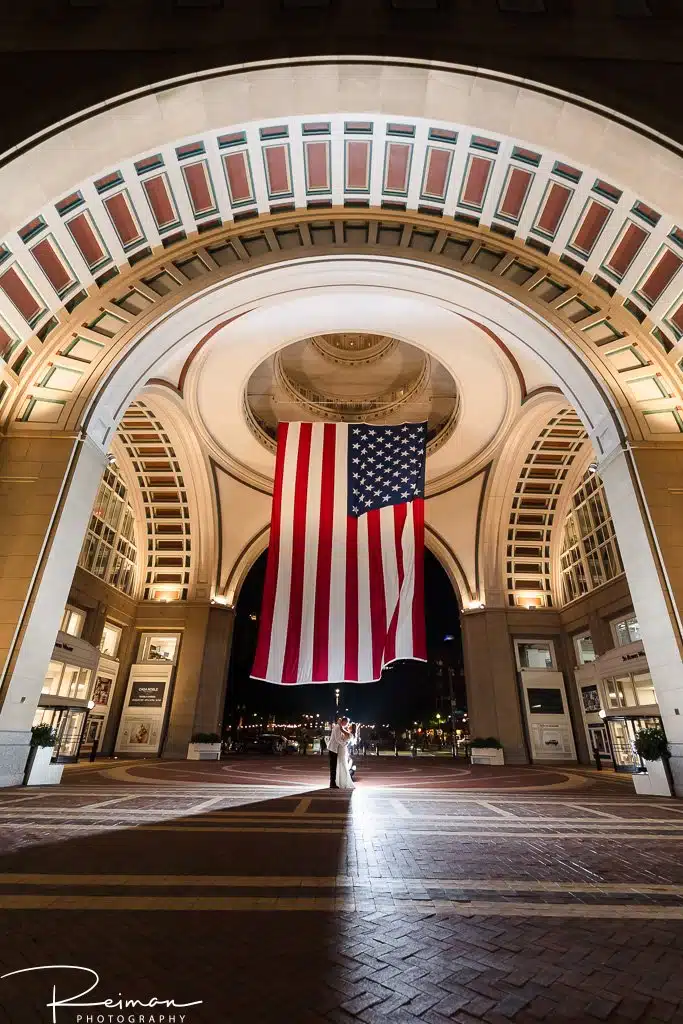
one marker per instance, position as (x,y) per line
(266,743)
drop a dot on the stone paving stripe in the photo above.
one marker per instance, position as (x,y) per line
(330,904)
(341,881)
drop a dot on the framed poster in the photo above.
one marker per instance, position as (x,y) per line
(147,697)
(146,694)
(102,690)
(590,697)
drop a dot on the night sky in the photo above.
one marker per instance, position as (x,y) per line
(406,692)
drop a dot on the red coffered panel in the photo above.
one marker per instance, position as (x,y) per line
(277,170)
(592,223)
(397,167)
(14,287)
(199,188)
(357,166)
(555,203)
(52,266)
(626,249)
(515,192)
(317,159)
(476,181)
(238,177)
(661,275)
(160,200)
(123,220)
(437,172)
(87,241)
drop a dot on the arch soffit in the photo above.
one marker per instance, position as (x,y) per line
(53,388)
(458,174)
(173,489)
(540,475)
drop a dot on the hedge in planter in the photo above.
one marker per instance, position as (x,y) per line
(43,736)
(205,737)
(651,744)
(489,741)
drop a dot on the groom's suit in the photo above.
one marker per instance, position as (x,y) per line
(334,745)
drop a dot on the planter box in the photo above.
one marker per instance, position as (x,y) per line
(204,752)
(42,772)
(486,755)
(653,782)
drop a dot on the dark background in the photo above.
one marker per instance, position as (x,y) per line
(61,56)
(409,691)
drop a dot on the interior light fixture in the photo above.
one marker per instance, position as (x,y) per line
(593,468)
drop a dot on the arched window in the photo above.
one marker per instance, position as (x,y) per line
(590,553)
(109,550)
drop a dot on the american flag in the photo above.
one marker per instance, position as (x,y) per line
(343,594)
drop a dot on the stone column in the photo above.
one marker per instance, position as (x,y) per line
(47,488)
(491,678)
(187,678)
(645,494)
(213,680)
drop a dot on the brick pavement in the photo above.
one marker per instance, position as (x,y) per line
(517,896)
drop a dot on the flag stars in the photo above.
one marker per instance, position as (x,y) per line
(386,465)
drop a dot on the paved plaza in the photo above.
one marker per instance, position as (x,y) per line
(435,893)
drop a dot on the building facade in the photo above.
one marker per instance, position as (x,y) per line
(383,239)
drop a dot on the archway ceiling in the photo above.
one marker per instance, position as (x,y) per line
(484,373)
(462,179)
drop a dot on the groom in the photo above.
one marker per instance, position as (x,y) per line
(336,742)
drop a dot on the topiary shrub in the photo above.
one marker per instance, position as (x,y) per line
(43,736)
(489,741)
(651,744)
(205,737)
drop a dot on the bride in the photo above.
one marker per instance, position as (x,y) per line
(344,779)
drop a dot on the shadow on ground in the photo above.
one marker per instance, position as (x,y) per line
(245,966)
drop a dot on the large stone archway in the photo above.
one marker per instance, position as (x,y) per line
(548,245)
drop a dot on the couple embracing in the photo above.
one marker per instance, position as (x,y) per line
(342,735)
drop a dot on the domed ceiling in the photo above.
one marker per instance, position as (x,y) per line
(351,377)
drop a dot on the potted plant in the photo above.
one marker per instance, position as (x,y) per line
(39,768)
(204,746)
(486,751)
(655,780)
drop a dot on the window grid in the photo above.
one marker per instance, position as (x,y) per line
(590,553)
(109,550)
(529,577)
(167,512)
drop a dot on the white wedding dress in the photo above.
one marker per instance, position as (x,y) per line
(344,780)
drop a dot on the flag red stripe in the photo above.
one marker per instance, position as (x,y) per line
(260,668)
(321,627)
(400,514)
(378,599)
(351,658)
(290,665)
(419,636)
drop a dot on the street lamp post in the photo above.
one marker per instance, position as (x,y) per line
(451,670)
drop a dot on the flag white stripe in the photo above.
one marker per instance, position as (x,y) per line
(310,568)
(364,617)
(337,634)
(405,641)
(278,634)
(389,564)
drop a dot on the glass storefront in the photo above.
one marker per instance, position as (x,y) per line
(622,734)
(68,724)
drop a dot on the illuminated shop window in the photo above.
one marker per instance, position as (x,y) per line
(109,550)
(590,553)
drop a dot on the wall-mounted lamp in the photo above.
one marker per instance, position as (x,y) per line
(111,459)
(475,605)
(593,468)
